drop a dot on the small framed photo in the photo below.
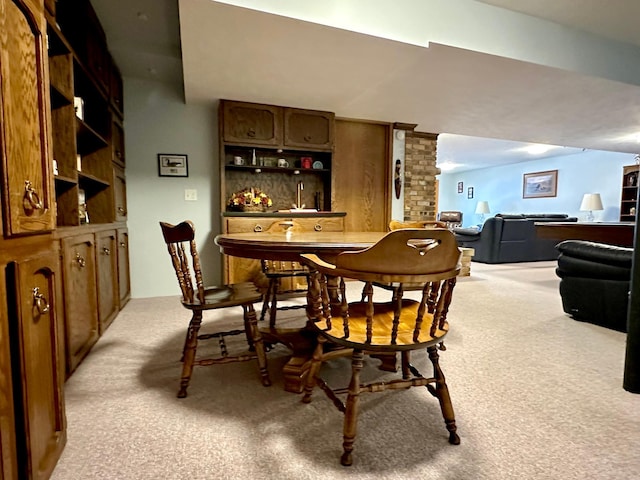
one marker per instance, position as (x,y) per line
(470,192)
(460,187)
(172,165)
(540,184)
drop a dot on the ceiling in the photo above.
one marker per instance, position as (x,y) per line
(485,106)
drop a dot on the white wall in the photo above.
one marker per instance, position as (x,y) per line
(588,172)
(158,121)
(468,24)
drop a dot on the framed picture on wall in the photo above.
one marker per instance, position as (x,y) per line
(460,187)
(540,184)
(172,165)
(470,192)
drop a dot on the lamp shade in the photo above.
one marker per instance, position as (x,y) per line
(590,202)
(482,207)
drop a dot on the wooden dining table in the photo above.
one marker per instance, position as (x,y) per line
(288,246)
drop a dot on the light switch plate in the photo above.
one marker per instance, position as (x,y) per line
(191,194)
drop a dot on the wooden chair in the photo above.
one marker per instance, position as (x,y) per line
(395,325)
(180,240)
(276,271)
(451,218)
(397,225)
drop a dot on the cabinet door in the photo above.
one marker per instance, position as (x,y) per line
(123,266)
(80,302)
(308,129)
(107,266)
(360,174)
(252,123)
(40,415)
(117,142)
(119,194)
(8,458)
(24,107)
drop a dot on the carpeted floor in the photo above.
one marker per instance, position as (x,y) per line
(537,395)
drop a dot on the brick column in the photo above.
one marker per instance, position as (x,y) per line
(420,176)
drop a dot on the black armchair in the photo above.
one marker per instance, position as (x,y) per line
(595,280)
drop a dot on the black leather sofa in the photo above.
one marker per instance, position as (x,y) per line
(595,282)
(508,238)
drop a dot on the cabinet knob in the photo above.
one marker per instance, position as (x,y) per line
(80,260)
(39,301)
(307,138)
(31,196)
(122,211)
(251,133)
(122,244)
(106,251)
(317,227)
(257,228)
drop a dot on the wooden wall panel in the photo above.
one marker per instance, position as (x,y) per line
(361,169)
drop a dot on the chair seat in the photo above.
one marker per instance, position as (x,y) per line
(381,332)
(226,296)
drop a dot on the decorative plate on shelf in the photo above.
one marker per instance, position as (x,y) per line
(317,165)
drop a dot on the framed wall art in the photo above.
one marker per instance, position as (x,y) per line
(460,187)
(470,192)
(540,184)
(172,165)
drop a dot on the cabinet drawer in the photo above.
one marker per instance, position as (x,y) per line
(262,224)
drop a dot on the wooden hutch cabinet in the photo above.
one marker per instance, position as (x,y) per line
(275,149)
(63,248)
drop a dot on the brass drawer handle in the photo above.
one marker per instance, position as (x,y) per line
(122,211)
(80,260)
(32,196)
(257,228)
(106,251)
(317,227)
(40,301)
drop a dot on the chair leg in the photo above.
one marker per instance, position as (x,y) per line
(252,320)
(267,300)
(273,309)
(314,368)
(189,352)
(406,360)
(442,393)
(351,412)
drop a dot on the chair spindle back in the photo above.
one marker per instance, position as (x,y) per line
(180,240)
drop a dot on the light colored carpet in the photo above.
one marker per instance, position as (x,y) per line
(537,395)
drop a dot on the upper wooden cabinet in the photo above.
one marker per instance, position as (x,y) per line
(24,136)
(308,129)
(254,124)
(251,123)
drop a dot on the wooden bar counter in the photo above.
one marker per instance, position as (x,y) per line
(613,233)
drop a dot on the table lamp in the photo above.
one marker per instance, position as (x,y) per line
(591,202)
(482,208)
